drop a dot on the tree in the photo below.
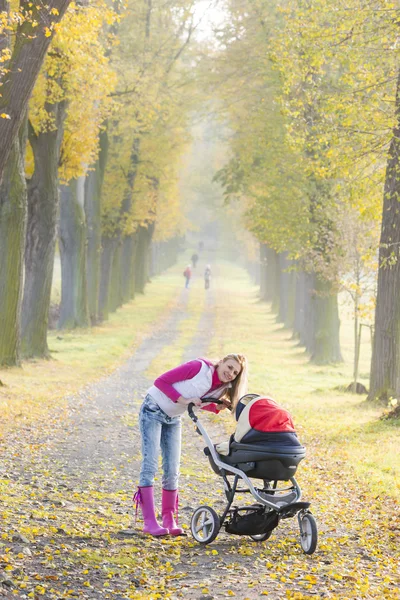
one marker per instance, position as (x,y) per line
(385,365)
(72,94)
(12,239)
(25,34)
(145,137)
(36,24)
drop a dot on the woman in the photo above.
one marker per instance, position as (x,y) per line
(160,427)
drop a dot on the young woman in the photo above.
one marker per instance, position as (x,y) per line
(160,427)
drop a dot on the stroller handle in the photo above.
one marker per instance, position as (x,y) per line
(204,401)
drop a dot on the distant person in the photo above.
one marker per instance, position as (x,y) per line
(187,273)
(194,259)
(207,277)
(201,246)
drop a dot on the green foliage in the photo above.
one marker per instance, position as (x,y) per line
(148,130)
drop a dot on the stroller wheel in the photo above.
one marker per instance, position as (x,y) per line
(308,532)
(205,524)
(261,537)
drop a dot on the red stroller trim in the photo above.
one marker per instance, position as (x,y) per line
(266,415)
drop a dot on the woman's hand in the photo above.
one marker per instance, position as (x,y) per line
(187,401)
(225,404)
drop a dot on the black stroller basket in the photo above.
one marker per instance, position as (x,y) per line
(276,463)
(251,520)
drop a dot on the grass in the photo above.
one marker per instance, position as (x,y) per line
(81,356)
(343,424)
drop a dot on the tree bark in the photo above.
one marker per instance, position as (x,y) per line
(307,336)
(265,294)
(22,70)
(274,276)
(108,246)
(127,276)
(142,257)
(299,305)
(327,325)
(164,255)
(284,280)
(291,302)
(126,287)
(385,363)
(43,204)
(74,311)
(115,296)
(13,211)
(93,186)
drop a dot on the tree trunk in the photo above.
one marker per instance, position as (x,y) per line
(93,187)
(291,302)
(385,363)
(265,293)
(284,281)
(156,258)
(128,239)
(327,325)
(74,311)
(274,277)
(164,255)
(115,296)
(127,276)
(13,211)
(142,257)
(43,201)
(299,306)
(307,336)
(108,246)
(28,52)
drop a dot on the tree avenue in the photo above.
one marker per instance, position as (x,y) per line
(314,112)
(25,34)
(105,126)
(299,111)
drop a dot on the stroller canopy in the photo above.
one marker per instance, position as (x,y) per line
(259,416)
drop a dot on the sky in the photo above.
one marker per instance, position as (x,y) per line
(209,14)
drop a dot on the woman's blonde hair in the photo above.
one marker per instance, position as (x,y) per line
(239,384)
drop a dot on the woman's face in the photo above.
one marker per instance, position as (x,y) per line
(228,370)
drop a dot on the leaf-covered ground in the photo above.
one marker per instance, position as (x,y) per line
(68,526)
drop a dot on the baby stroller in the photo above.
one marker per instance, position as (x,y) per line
(264,447)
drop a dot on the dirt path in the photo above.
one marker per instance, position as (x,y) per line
(66,510)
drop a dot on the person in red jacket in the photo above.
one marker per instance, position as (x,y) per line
(187,273)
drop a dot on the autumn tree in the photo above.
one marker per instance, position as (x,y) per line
(25,34)
(32,27)
(152,107)
(67,108)
(336,76)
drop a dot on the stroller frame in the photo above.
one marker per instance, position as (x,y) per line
(273,503)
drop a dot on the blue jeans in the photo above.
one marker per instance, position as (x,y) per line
(158,430)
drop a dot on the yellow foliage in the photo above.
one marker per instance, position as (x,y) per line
(76,71)
(146,133)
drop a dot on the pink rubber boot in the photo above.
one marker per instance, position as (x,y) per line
(145,498)
(169,509)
